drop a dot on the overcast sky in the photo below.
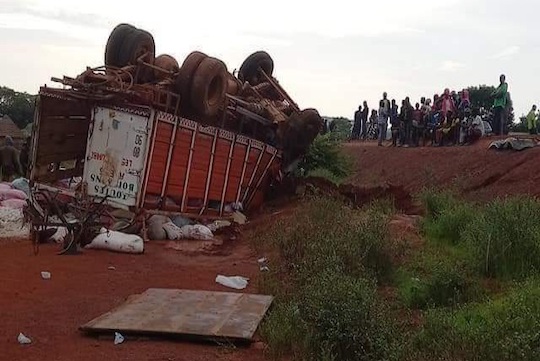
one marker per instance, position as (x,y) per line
(329,55)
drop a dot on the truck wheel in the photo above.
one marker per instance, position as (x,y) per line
(166,62)
(138,43)
(115,42)
(249,70)
(186,72)
(209,87)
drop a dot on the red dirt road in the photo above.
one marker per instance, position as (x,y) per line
(475,171)
(82,288)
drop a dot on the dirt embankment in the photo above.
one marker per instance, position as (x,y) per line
(475,171)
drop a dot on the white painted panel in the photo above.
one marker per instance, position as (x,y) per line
(115,155)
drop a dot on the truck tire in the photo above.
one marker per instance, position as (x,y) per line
(114,43)
(249,70)
(186,72)
(136,44)
(209,87)
(166,62)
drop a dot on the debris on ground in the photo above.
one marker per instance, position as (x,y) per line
(117,242)
(196,232)
(236,282)
(118,338)
(111,268)
(514,144)
(46,275)
(172,312)
(239,218)
(23,340)
(12,223)
(263,264)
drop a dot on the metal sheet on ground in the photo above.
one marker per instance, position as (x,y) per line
(183,312)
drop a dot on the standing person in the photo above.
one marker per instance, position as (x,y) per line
(448,104)
(499,106)
(355,134)
(532,121)
(364,120)
(9,160)
(406,120)
(394,122)
(24,157)
(417,125)
(384,111)
(373,125)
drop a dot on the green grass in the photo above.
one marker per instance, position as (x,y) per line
(504,238)
(506,329)
(331,260)
(329,263)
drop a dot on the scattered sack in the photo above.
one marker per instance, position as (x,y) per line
(22,185)
(23,340)
(117,242)
(157,219)
(13,203)
(236,282)
(214,226)
(180,221)
(118,338)
(46,275)
(156,232)
(172,231)
(12,194)
(59,235)
(196,232)
(239,218)
(5,186)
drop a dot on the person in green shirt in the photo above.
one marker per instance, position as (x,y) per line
(499,106)
(532,122)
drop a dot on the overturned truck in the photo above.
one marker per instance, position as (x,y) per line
(146,135)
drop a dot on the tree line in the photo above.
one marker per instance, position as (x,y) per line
(18,106)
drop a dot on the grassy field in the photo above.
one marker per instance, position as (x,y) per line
(343,291)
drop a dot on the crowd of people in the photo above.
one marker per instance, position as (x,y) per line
(446,119)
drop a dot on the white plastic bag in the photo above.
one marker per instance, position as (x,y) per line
(117,242)
(23,340)
(236,282)
(118,338)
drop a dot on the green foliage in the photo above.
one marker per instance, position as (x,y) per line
(437,281)
(447,218)
(19,106)
(340,128)
(505,329)
(345,319)
(435,202)
(504,238)
(481,97)
(332,258)
(325,157)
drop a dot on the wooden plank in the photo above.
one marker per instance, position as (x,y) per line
(211,315)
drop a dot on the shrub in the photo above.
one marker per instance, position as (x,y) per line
(451,221)
(332,258)
(503,329)
(346,321)
(444,283)
(326,155)
(435,202)
(283,330)
(505,238)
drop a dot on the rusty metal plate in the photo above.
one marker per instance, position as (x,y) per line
(213,315)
